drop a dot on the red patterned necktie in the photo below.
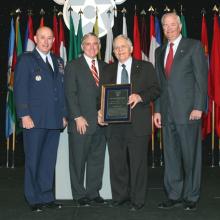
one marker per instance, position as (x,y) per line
(169,61)
(95,73)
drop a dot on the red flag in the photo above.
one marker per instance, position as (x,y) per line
(62,46)
(55,48)
(144,47)
(207,117)
(42,21)
(136,39)
(214,73)
(30,40)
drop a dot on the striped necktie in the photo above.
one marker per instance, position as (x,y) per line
(95,73)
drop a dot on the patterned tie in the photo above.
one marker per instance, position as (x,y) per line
(95,73)
(169,61)
(124,75)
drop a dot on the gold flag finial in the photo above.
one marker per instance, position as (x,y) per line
(124,11)
(166,9)
(151,9)
(18,11)
(60,13)
(42,12)
(80,12)
(203,11)
(143,12)
(215,8)
(30,12)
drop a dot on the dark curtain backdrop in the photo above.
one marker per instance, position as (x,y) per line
(192,16)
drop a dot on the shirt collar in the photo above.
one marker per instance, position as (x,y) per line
(176,41)
(127,62)
(89,59)
(43,55)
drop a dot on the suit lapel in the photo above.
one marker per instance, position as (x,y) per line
(87,70)
(135,69)
(162,57)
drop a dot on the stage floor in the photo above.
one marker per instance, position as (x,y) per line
(13,206)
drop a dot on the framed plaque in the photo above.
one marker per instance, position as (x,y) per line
(114,103)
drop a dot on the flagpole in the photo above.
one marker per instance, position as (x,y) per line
(13,149)
(161,148)
(7,153)
(219,152)
(213,134)
(152,141)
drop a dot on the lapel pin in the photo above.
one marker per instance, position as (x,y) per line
(38,78)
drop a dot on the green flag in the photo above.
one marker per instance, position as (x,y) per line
(72,54)
(18,37)
(79,37)
(184,31)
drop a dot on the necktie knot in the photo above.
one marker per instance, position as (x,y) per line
(93,62)
(171,45)
(123,66)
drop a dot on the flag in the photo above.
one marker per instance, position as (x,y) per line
(17,52)
(109,40)
(136,39)
(124,26)
(29,36)
(157,31)
(144,48)
(18,37)
(96,31)
(42,21)
(154,44)
(10,111)
(183,21)
(79,36)
(206,117)
(62,45)
(72,54)
(55,47)
(214,73)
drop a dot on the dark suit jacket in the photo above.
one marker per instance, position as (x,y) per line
(186,88)
(81,93)
(144,82)
(38,92)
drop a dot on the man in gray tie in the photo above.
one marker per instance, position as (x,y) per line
(127,142)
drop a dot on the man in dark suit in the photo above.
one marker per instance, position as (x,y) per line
(181,67)
(86,138)
(130,140)
(40,104)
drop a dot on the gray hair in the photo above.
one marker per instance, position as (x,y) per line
(125,38)
(171,14)
(90,34)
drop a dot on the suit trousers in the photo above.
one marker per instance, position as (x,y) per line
(183,160)
(40,148)
(128,166)
(86,156)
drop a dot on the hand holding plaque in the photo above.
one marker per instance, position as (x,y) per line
(114,103)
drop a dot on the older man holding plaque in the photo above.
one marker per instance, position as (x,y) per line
(128,140)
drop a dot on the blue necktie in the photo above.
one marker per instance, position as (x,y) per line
(124,75)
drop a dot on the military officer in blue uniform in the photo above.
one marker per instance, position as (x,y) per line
(40,104)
